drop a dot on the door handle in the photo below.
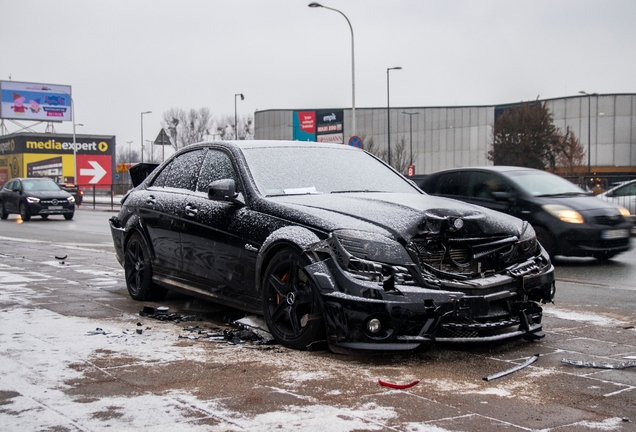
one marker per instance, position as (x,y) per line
(191,210)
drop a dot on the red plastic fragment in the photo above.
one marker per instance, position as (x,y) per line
(398,386)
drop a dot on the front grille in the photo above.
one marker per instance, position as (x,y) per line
(609,220)
(470,257)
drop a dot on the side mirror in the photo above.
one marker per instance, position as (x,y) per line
(224,190)
(503,196)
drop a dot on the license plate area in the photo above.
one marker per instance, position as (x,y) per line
(614,234)
(58,207)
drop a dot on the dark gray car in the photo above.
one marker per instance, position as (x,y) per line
(567,220)
(35,197)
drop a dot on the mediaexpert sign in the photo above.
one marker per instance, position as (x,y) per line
(36,102)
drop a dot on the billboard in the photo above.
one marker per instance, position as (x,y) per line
(36,102)
(52,155)
(329,126)
(321,126)
(304,126)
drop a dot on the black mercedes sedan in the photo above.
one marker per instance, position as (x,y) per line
(35,196)
(327,242)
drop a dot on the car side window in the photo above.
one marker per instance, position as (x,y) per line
(484,184)
(182,172)
(453,183)
(217,165)
(626,190)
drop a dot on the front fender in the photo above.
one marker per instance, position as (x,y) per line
(286,236)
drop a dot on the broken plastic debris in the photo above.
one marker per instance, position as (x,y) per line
(97,331)
(162,310)
(161,313)
(600,365)
(527,363)
(398,386)
(61,257)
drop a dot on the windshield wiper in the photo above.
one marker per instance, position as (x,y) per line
(357,191)
(562,194)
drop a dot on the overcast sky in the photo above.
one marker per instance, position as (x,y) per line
(125,57)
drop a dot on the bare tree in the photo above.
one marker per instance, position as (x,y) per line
(127,155)
(400,156)
(525,135)
(572,153)
(244,126)
(187,127)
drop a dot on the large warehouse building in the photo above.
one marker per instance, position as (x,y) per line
(458,136)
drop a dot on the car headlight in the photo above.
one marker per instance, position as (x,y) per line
(370,256)
(528,241)
(624,211)
(32,200)
(71,199)
(564,213)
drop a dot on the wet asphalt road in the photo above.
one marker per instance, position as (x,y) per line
(58,373)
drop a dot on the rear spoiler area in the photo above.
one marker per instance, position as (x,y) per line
(139,172)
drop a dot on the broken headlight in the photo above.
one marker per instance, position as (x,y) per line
(527,245)
(370,256)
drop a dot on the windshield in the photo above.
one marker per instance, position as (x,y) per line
(541,183)
(39,185)
(320,170)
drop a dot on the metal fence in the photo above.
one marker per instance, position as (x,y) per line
(101,196)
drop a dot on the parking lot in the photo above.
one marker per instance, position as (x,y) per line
(76,355)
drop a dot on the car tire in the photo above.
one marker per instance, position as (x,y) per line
(546,240)
(45,216)
(24,213)
(3,212)
(291,303)
(138,271)
(68,216)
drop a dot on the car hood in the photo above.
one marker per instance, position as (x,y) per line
(398,215)
(60,195)
(580,203)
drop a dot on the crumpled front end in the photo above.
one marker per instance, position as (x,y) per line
(445,284)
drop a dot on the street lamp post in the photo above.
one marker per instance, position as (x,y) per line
(353,67)
(235,115)
(411,130)
(142,134)
(129,151)
(388,111)
(589,129)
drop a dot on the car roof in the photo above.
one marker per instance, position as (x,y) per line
(248,144)
(492,168)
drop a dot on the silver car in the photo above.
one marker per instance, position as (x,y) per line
(623,195)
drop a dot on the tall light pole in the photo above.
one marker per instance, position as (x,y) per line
(589,128)
(142,134)
(236,116)
(74,143)
(388,110)
(353,66)
(129,151)
(411,130)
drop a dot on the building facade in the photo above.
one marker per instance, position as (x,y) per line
(452,137)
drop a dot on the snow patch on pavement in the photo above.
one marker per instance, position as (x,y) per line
(587,317)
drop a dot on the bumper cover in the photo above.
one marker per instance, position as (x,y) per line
(491,309)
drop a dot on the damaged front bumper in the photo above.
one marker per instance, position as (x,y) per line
(409,312)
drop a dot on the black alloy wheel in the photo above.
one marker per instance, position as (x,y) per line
(24,213)
(138,271)
(3,212)
(290,301)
